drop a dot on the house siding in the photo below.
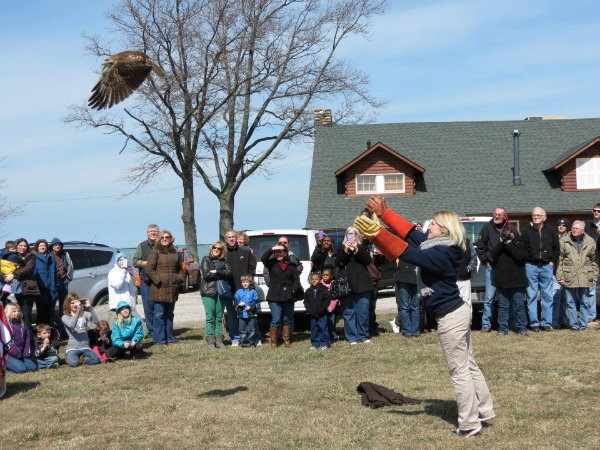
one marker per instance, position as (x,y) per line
(380,162)
(569,171)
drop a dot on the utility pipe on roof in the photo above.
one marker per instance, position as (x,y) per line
(517,164)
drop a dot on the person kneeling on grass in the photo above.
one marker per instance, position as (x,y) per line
(20,356)
(76,315)
(101,338)
(126,334)
(45,343)
(316,302)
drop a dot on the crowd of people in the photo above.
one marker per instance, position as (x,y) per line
(434,266)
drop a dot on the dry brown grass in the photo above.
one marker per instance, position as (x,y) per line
(545,389)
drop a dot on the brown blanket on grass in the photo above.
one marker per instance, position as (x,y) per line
(376,396)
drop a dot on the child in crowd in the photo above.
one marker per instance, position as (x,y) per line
(20,356)
(45,343)
(326,279)
(100,339)
(9,262)
(76,315)
(245,301)
(127,333)
(316,302)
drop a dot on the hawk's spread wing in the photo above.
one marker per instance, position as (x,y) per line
(123,73)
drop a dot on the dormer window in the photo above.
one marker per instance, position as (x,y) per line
(388,183)
(588,173)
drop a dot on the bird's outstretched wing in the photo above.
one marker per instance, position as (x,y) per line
(123,73)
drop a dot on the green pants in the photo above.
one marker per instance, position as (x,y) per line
(214,307)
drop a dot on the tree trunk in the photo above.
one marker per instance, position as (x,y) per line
(226,203)
(187,216)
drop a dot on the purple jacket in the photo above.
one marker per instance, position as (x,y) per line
(22,338)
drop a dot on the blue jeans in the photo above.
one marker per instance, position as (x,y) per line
(89,357)
(319,331)
(592,300)
(21,365)
(516,297)
(46,363)
(281,312)
(148,307)
(355,310)
(247,327)
(409,308)
(539,278)
(232,320)
(331,327)
(163,323)
(559,304)
(490,293)
(577,296)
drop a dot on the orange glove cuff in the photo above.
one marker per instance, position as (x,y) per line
(397,223)
(389,244)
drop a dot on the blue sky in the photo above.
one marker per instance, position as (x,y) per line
(433,60)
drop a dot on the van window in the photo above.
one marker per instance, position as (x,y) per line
(473,229)
(100,257)
(298,245)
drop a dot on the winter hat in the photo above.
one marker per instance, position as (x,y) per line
(122,304)
(118,257)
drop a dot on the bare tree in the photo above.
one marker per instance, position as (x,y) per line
(242,78)
(6,209)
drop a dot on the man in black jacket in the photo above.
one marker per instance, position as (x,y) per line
(242,262)
(489,236)
(542,256)
(139,261)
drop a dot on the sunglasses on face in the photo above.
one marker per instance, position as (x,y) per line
(217,248)
(166,237)
(596,210)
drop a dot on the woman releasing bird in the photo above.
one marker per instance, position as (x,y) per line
(123,73)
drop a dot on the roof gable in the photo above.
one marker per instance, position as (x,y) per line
(379,146)
(573,152)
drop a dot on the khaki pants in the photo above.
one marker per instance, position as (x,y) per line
(464,290)
(472,394)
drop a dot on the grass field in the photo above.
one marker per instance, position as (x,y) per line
(546,390)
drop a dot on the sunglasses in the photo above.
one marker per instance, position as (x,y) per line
(166,236)
(217,248)
(596,210)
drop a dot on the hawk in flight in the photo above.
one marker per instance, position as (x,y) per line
(122,74)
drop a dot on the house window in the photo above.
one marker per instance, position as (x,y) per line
(389,183)
(588,173)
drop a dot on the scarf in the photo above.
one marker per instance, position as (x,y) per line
(424,290)
(283,265)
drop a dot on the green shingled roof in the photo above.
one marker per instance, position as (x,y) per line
(468,167)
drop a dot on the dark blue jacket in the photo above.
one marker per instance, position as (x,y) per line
(438,271)
(44,271)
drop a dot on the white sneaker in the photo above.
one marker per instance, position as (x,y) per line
(323,348)
(394,325)
(258,344)
(353,343)
(235,343)
(313,348)
(366,341)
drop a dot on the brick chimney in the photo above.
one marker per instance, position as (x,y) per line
(322,117)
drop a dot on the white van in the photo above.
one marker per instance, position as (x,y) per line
(302,244)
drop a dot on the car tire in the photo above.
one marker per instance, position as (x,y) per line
(101,299)
(186,284)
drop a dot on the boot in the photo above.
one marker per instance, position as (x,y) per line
(219,341)
(273,333)
(210,342)
(287,333)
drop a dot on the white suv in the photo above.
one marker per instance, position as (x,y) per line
(302,244)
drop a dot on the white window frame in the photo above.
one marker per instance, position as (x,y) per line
(380,184)
(588,173)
